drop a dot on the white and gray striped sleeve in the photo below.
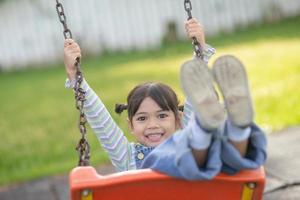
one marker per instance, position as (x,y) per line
(110,136)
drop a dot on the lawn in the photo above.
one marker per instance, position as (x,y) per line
(38,119)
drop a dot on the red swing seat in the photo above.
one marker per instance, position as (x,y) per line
(146,184)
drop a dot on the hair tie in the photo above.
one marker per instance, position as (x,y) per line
(181,108)
(119,108)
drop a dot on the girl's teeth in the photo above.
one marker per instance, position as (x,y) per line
(154,137)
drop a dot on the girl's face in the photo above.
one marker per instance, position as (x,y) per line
(151,125)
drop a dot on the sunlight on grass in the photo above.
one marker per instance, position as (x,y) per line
(274,75)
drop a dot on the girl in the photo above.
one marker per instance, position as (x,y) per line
(194,152)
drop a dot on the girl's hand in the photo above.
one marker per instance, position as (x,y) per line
(195,29)
(71,52)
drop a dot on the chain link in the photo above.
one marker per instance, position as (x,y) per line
(196,45)
(83,147)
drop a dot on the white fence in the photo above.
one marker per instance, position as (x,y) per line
(32,34)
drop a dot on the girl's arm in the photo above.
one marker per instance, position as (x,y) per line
(107,132)
(110,136)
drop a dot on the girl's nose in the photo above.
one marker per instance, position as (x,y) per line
(153,123)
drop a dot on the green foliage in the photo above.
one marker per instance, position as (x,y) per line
(38,118)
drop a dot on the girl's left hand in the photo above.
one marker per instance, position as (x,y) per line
(195,29)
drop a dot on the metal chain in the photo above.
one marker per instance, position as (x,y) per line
(83,147)
(196,45)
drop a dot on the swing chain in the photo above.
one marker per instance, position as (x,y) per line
(196,45)
(62,18)
(83,147)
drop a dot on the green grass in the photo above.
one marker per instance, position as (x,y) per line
(38,118)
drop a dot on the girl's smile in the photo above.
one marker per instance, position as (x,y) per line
(151,125)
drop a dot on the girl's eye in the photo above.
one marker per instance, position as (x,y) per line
(141,118)
(162,115)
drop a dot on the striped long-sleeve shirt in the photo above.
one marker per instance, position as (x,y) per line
(111,137)
(121,152)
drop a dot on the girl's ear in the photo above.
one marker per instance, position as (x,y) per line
(129,125)
(179,120)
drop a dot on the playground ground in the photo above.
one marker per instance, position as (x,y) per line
(282,169)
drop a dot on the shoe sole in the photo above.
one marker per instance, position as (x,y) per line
(197,84)
(231,77)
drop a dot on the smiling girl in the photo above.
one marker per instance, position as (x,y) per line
(154,115)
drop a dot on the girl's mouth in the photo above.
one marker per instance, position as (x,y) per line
(154,137)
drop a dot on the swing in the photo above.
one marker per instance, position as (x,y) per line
(87,184)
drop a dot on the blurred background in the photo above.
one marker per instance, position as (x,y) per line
(125,43)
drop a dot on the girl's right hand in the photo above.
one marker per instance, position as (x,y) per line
(71,52)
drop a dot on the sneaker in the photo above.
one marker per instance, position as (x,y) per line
(197,84)
(231,77)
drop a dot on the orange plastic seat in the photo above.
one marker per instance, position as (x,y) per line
(146,184)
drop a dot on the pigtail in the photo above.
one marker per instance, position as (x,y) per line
(181,108)
(119,108)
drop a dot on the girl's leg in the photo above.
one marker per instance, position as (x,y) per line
(231,78)
(197,84)
(191,153)
(208,52)
(238,136)
(247,143)
(238,153)
(199,141)
(176,157)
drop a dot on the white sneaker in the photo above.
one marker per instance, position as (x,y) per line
(197,84)
(231,77)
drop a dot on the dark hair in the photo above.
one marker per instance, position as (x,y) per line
(162,94)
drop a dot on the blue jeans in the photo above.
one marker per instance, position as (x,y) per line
(174,156)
